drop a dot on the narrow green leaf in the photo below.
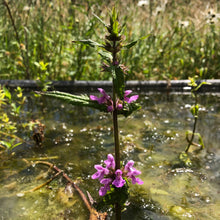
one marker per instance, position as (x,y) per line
(129,108)
(188,132)
(202,83)
(128,46)
(115,28)
(6,144)
(100,19)
(7,93)
(118,81)
(82,100)
(106,56)
(131,44)
(200,140)
(15,145)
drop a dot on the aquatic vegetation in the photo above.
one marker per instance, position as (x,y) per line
(75,142)
(12,121)
(195,111)
(8,137)
(190,135)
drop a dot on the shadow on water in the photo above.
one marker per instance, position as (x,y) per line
(78,138)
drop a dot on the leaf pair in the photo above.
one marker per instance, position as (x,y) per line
(84,100)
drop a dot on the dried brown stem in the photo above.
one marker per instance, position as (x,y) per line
(94,215)
(44,184)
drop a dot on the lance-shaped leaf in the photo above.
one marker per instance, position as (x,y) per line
(84,100)
(78,100)
(118,81)
(201,84)
(128,109)
(131,44)
(201,143)
(89,42)
(115,23)
(100,20)
(106,56)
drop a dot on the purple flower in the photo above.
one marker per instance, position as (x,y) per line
(108,176)
(103,190)
(119,181)
(110,162)
(132,172)
(130,99)
(107,100)
(135,180)
(110,107)
(104,99)
(101,172)
(119,105)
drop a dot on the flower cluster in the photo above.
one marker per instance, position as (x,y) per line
(107,100)
(109,176)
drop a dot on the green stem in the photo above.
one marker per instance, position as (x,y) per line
(117,211)
(193,134)
(194,127)
(115,115)
(116,136)
(117,150)
(116,133)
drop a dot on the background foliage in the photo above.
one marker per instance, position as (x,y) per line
(182,39)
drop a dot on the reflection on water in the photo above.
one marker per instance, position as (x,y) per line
(78,138)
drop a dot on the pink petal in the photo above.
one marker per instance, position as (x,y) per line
(127,92)
(135,180)
(95,175)
(106,181)
(119,181)
(94,98)
(133,98)
(110,108)
(119,106)
(129,165)
(110,162)
(102,91)
(102,191)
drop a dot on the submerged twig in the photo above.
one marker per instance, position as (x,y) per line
(94,214)
(44,184)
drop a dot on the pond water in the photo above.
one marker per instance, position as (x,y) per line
(78,138)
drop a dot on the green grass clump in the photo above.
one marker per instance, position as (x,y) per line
(182,39)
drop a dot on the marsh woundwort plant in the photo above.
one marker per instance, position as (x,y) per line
(113,177)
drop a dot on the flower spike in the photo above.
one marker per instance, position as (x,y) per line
(110,177)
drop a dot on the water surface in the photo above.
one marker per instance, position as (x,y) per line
(77,138)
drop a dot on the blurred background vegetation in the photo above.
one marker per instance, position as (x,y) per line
(183,39)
